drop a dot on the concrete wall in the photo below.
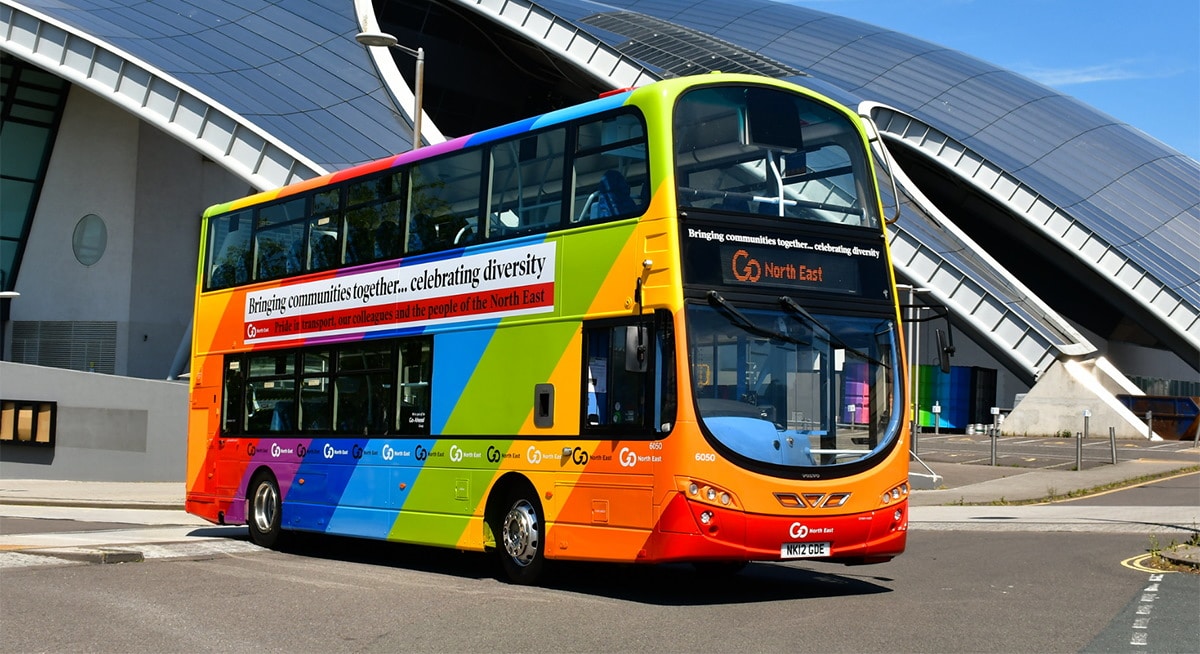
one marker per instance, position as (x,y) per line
(91,172)
(109,428)
(1055,406)
(150,190)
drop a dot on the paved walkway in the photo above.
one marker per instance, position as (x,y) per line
(93,494)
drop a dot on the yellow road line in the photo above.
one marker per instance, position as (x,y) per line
(1137,563)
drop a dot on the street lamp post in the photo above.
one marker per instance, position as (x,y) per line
(914,370)
(384,40)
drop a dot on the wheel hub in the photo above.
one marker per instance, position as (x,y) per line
(521,533)
(265,504)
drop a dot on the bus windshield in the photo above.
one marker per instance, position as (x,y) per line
(788,387)
(745,149)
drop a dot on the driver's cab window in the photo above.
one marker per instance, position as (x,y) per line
(628,377)
(615,378)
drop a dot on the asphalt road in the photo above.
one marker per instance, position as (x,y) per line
(951,592)
(1011,585)
(1181,490)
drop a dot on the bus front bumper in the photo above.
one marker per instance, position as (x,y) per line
(696,531)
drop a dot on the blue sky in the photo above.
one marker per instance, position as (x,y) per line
(1136,61)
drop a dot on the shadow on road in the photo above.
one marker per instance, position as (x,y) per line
(663,585)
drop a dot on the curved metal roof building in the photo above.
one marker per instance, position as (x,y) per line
(1051,231)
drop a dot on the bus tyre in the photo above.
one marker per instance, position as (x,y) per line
(522,538)
(265,511)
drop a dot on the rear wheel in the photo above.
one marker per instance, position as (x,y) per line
(522,536)
(265,511)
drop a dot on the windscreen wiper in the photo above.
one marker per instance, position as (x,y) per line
(800,312)
(738,318)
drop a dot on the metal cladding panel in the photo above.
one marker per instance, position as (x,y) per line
(303,30)
(1179,272)
(911,83)
(270,99)
(766,25)
(260,60)
(1173,185)
(283,41)
(857,65)
(1109,155)
(835,93)
(976,103)
(865,60)
(717,14)
(324,87)
(812,47)
(1037,129)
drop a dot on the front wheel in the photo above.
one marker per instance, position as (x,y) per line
(522,539)
(265,511)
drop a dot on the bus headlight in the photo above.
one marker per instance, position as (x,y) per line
(705,492)
(896,494)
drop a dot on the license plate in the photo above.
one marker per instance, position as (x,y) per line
(804,550)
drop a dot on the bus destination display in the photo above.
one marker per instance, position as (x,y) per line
(809,263)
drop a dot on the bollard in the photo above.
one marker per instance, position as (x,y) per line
(1149,425)
(995,432)
(1079,450)
(1112,443)
(1087,415)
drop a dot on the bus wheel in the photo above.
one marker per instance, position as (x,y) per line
(266,510)
(522,539)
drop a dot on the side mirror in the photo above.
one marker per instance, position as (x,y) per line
(635,348)
(945,350)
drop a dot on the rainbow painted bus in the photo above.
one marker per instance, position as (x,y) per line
(661,326)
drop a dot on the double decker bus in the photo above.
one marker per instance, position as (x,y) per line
(660,326)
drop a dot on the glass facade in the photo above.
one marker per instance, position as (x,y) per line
(31,105)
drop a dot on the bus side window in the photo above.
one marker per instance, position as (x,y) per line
(527,184)
(373,218)
(444,202)
(235,408)
(610,169)
(279,243)
(416,369)
(229,255)
(325,231)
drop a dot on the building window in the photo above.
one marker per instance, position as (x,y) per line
(27,423)
(89,240)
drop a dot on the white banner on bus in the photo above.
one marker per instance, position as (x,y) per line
(493,284)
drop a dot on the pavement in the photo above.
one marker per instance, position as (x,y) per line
(948,496)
